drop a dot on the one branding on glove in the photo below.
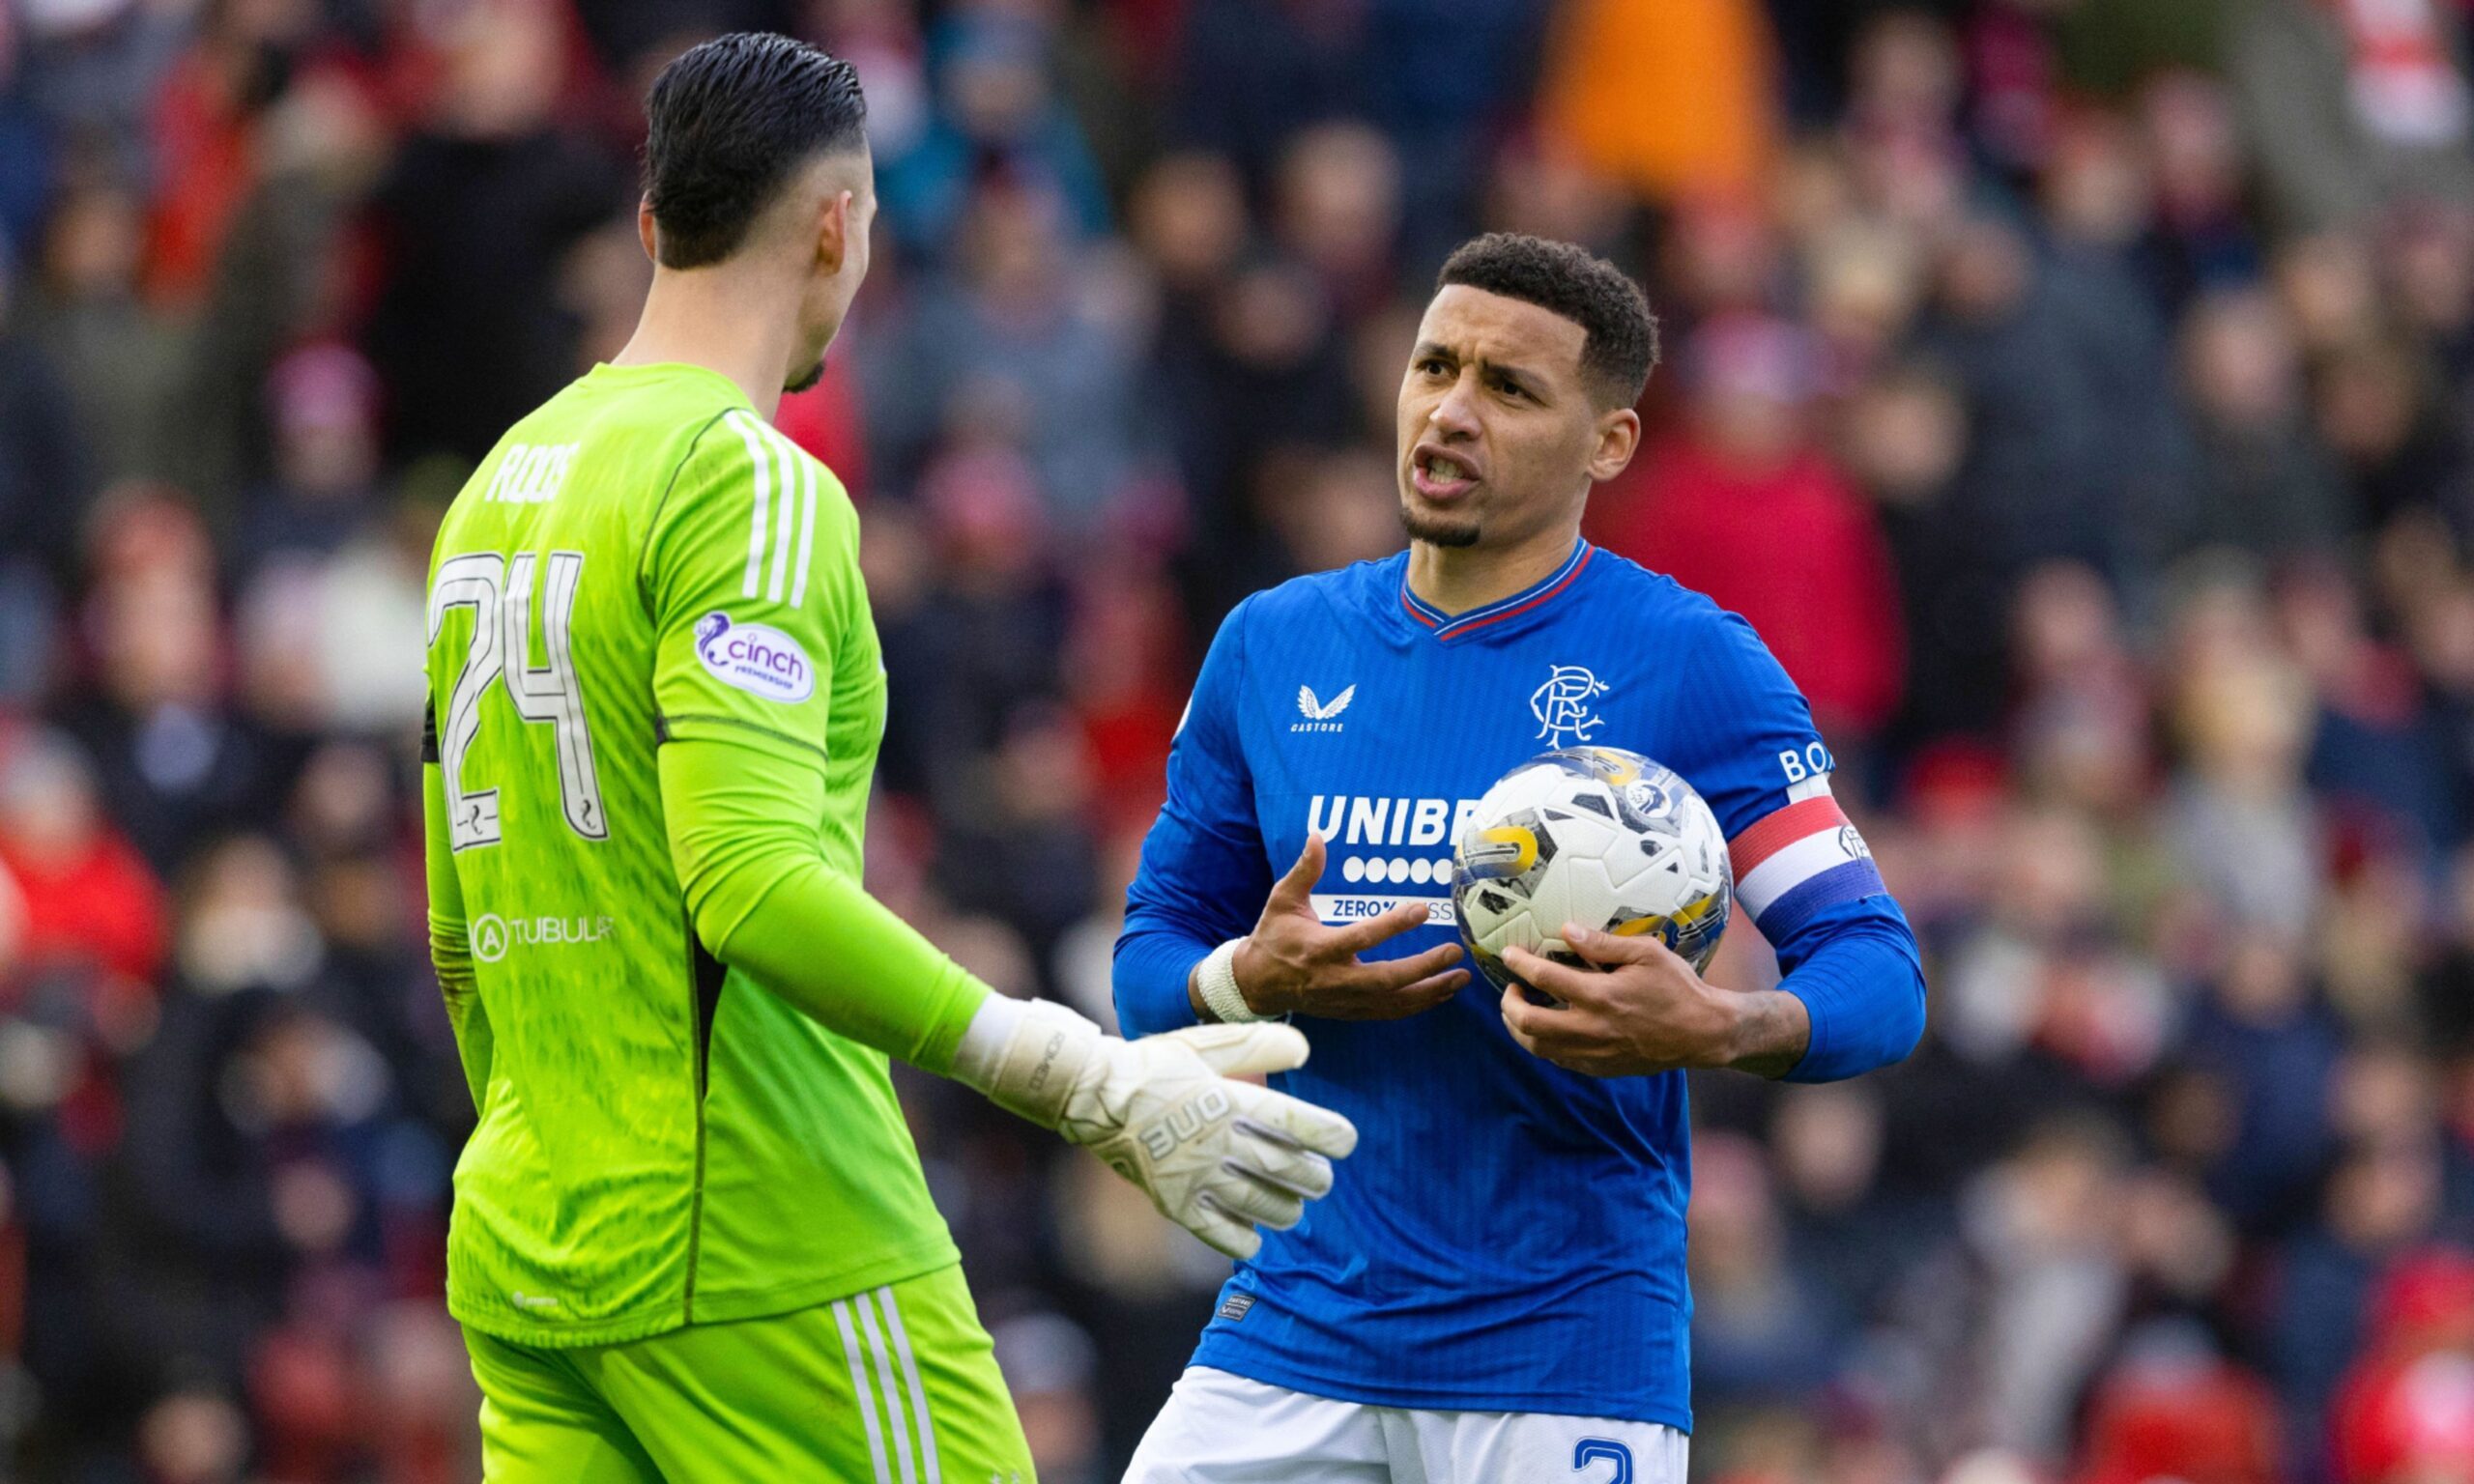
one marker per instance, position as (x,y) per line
(757,658)
(1185,1121)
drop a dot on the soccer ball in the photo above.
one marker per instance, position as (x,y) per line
(1595,836)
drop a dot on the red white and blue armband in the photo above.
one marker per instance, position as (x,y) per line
(1800,861)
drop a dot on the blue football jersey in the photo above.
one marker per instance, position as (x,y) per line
(1510,1235)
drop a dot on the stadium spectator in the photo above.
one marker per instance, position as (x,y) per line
(120,360)
(2184,1416)
(997,116)
(1741,504)
(1606,55)
(476,211)
(2201,237)
(81,897)
(1762,1330)
(2264,484)
(2356,105)
(1008,350)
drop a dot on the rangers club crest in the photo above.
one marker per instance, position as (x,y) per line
(1561,705)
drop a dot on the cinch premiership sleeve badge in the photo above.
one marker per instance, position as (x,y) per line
(757,658)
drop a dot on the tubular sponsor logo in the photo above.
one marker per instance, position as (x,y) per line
(757,658)
(493,935)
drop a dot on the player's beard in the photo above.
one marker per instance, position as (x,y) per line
(806,379)
(1438,531)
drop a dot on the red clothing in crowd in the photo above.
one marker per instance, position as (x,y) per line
(2404,1416)
(2406,1409)
(824,420)
(2207,1422)
(101,905)
(205,138)
(1794,549)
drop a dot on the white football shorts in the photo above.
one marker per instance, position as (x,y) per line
(1225,1429)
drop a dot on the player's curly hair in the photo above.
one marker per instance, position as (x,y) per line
(731,119)
(1622,336)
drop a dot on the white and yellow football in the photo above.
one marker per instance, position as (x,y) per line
(1595,836)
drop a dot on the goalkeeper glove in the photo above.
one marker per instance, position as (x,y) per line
(1218,1156)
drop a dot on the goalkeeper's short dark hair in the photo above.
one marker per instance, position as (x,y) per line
(1620,344)
(729,120)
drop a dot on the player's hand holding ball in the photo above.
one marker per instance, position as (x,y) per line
(1600,835)
(1293,963)
(1639,1008)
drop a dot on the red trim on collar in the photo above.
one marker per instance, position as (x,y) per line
(1455,628)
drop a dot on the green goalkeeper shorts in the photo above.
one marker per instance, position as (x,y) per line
(898,1386)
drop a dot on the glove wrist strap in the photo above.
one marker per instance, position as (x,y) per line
(1028,1057)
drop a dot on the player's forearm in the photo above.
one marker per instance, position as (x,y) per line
(450,943)
(1862,989)
(1153,977)
(764,900)
(1769,1032)
(845,960)
(450,954)
(475,1042)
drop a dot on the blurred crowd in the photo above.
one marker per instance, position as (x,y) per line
(2079,394)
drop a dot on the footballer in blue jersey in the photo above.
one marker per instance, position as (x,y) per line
(1496,1289)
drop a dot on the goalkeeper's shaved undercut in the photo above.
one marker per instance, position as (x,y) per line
(732,121)
(758,195)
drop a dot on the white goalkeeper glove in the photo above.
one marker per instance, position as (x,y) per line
(1218,1156)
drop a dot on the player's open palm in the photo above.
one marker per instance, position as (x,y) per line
(1294,963)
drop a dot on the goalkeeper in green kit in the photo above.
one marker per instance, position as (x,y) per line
(691,1239)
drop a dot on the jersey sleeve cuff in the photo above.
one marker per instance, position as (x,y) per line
(1864,998)
(1817,1019)
(1152,971)
(964,1002)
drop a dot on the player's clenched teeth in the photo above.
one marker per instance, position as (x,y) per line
(1440,474)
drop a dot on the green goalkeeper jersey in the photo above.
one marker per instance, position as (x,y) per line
(661,1141)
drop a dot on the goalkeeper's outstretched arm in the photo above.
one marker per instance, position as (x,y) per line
(1217,1156)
